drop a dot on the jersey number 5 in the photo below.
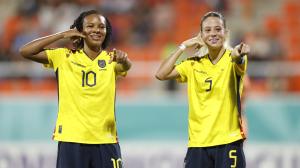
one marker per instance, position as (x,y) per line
(88,78)
(232,155)
(209,81)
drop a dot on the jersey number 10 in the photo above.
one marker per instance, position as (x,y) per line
(88,78)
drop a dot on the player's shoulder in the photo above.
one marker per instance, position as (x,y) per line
(61,50)
(228,51)
(191,59)
(107,53)
(195,58)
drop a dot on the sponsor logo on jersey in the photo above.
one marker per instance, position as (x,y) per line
(75,63)
(200,71)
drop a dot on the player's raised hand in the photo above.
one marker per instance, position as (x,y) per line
(72,33)
(194,42)
(118,56)
(240,50)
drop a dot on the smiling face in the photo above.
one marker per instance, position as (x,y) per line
(213,32)
(94,28)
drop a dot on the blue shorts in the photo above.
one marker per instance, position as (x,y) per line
(221,156)
(76,155)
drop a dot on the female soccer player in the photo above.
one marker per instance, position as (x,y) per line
(214,89)
(86,126)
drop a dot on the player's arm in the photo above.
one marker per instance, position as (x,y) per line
(34,50)
(246,88)
(121,57)
(167,69)
(239,54)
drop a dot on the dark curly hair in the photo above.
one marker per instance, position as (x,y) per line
(78,24)
(213,14)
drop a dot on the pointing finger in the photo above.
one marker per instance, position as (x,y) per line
(240,48)
(124,57)
(245,50)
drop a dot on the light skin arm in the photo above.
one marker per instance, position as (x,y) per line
(34,50)
(247,86)
(167,69)
(121,57)
(238,52)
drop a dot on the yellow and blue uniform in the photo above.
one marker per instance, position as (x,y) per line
(86,91)
(214,92)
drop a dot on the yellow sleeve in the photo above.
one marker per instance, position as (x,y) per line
(240,69)
(119,73)
(56,57)
(182,69)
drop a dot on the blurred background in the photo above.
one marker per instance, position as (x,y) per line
(152,115)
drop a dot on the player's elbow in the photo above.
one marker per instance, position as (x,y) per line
(159,76)
(24,52)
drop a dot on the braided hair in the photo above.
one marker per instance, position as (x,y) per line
(78,24)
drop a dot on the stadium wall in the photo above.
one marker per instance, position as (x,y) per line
(152,134)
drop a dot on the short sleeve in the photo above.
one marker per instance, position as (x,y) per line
(119,73)
(240,69)
(182,69)
(56,57)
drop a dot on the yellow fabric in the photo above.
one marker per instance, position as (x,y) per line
(86,90)
(213,100)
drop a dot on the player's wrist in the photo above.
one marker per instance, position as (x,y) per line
(240,60)
(237,58)
(182,47)
(61,35)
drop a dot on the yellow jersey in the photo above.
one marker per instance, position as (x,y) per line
(214,92)
(86,92)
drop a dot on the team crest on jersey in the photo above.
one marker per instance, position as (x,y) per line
(101,63)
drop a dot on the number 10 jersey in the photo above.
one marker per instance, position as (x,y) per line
(86,93)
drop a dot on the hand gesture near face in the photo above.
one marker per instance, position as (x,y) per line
(118,56)
(194,42)
(73,34)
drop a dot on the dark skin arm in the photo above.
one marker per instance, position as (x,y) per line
(34,50)
(123,62)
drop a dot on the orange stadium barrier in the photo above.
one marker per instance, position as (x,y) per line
(24,86)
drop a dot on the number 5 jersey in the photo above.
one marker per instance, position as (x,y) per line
(214,92)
